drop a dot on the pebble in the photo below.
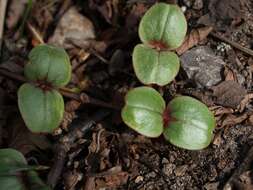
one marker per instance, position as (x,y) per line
(202,66)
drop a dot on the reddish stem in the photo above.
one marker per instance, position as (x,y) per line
(44,85)
(167,118)
(159,45)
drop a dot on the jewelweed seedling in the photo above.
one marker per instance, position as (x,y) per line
(162,29)
(15,174)
(155,67)
(40,103)
(185,122)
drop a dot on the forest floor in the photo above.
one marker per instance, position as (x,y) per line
(99,36)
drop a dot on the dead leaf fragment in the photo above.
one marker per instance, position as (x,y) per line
(73,27)
(112,181)
(245,101)
(229,94)
(194,38)
(232,120)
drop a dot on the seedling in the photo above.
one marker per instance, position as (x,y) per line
(162,29)
(185,122)
(40,104)
(15,174)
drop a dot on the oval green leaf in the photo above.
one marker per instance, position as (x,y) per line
(155,67)
(41,110)
(12,163)
(48,63)
(143,111)
(165,24)
(191,123)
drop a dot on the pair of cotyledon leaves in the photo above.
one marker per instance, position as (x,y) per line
(162,28)
(189,122)
(186,122)
(40,104)
(15,174)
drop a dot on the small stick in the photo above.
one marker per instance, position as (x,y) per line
(35,33)
(12,76)
(3,4)
(83,97)
(234,179)
(67,141)
(234,44)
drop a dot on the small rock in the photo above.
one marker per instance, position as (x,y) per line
(211,186)
(183,8)
(138,179)
(165,161)
(202,66)
(151,175)
(180,171)
(198,4)
(188,3)
(168,169)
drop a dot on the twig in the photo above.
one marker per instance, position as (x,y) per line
(3,4)
(67,141)
(12,76)
(234,44)
(234,179)
(83,97)
(35,33)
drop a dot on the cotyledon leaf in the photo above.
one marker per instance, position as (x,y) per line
(191,123)
(50,64)
(165,24)
(143,111)
(12,163)
(155,67)
(42,110)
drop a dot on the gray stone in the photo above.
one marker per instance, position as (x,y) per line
(202,66)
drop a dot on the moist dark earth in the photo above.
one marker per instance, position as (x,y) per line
(99,36)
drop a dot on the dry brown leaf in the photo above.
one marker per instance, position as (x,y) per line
(72,28)
(245,101)
(250,120)
(219,110)
(217,139)
(229,94)
(194,38)
(230,75)
(112,181)
(234,119)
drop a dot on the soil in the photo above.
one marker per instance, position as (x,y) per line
(93,148)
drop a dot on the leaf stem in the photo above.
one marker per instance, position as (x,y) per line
(83,97)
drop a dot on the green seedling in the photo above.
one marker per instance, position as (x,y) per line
(185,122)
(155,67)
(40,104)
(162,29)
(15,174)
